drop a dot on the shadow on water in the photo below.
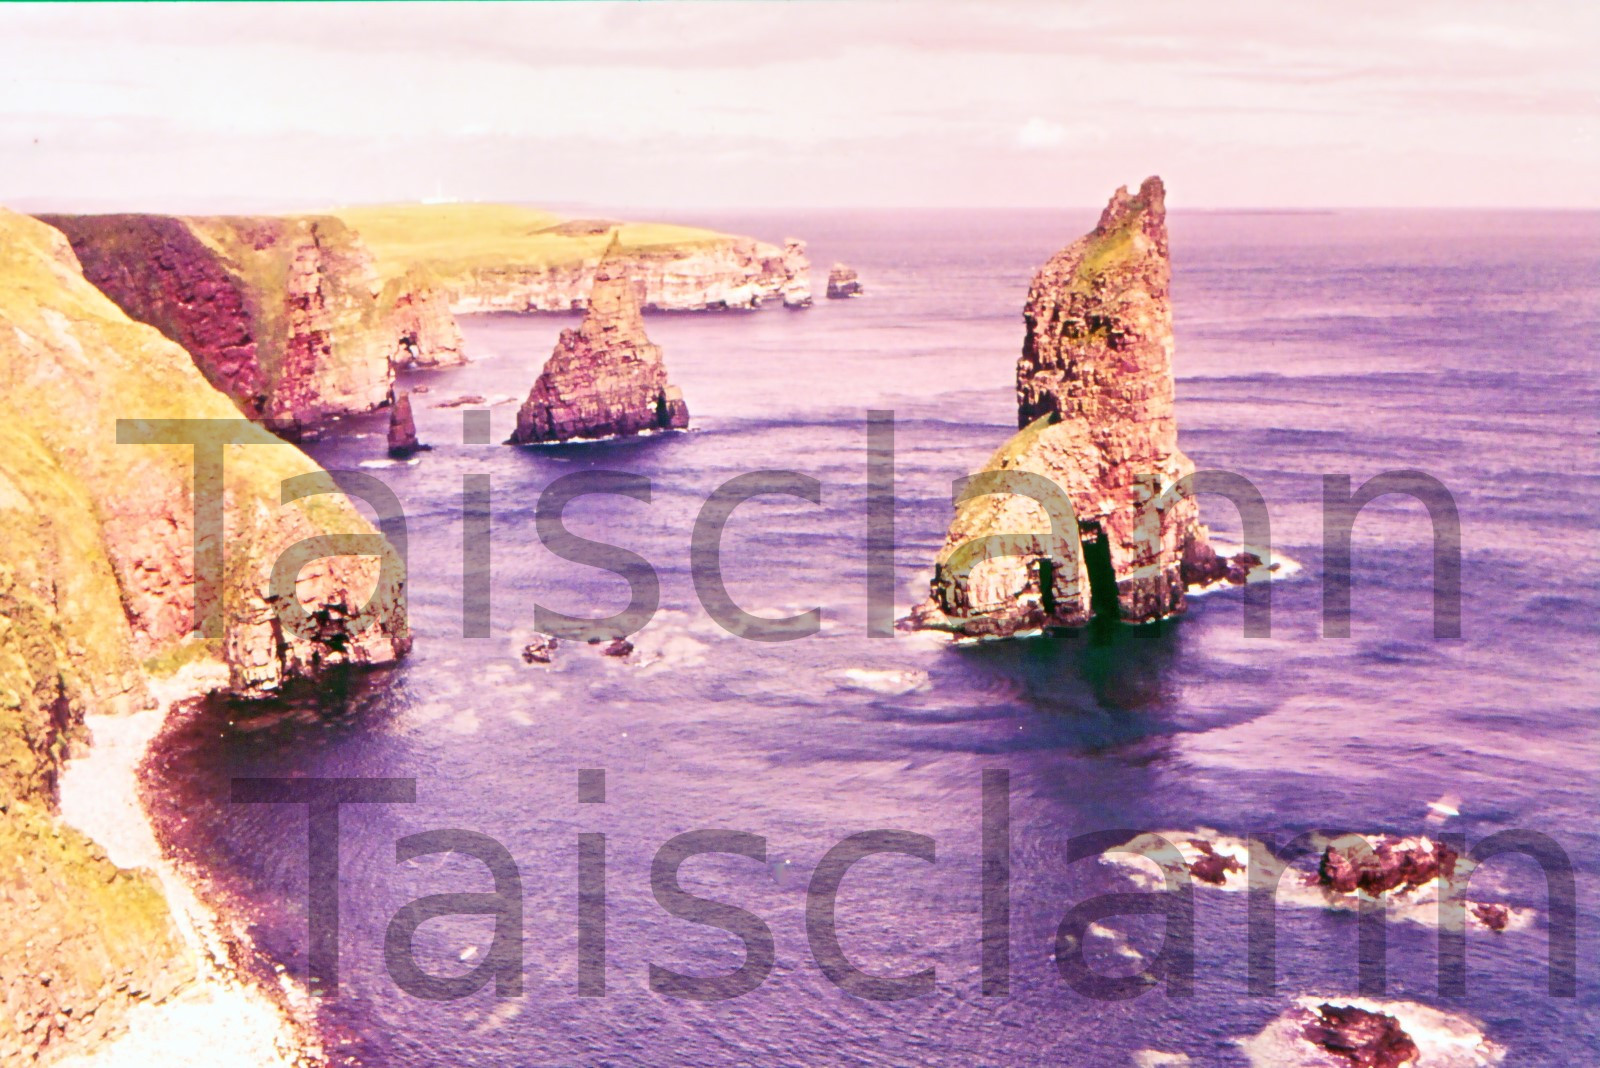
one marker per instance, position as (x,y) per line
(1106,686)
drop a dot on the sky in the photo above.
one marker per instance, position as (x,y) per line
(785,105)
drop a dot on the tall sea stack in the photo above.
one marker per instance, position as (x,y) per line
(1094,401)
(604,379)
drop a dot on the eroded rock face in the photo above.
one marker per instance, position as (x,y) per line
(843,282)
(1086,501)
(605,379)
(287,316)
(403,429)
(796,291)
(98,576)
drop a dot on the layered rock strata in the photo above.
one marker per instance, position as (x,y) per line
(97,584)
(604,379)
(500,258)
(1084,511)
(843,282)
(287,316)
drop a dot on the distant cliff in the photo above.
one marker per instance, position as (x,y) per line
(496,257)
(1095,403)
(96,580)
(288,316)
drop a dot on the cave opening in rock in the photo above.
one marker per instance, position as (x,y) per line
(1102,576)
(1047,585)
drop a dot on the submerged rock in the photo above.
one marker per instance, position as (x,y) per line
(843,282)
(605,379)
(403,429)
(1083,512)
(796,290)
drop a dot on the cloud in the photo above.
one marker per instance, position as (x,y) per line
(1039,134)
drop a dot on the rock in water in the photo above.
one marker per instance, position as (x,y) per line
(403,429)
(796,290)
(843,282)
(1362,1038)
(605,379)
(1094,400)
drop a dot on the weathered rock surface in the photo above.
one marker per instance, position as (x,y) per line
(403,429)
(287,316)
(1095,403)
(1377,864)
(605,379)
(500,258)
(98,576)
(1344,1032)
(843,282)
(796,291)
(1365,1039)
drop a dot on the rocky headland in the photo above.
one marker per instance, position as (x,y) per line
(501,258)
(605,378)
(97,600)
(288,316)
(1085,512)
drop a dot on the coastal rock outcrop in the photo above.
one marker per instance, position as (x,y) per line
(403,429)
(604,379)
(843,282)
(501,258)
(287,316)
(796,291)
(1085,511)
(98,581)
(1319,1032)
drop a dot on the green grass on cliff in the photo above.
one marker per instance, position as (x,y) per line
(453,242)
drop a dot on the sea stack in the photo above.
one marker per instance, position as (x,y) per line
(843,282)
(1094,401)
(403,429)
(796,290)
(604,379)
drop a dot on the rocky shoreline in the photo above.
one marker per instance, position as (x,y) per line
(221,1016)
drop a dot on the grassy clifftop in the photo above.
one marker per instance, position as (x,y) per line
(453,241)
(98,575)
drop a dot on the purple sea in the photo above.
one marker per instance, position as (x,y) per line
(1461,344)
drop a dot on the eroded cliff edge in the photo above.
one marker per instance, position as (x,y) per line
(502,258)
(1086,511)
(289,316)
(97,587)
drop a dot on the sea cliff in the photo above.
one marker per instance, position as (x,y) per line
(501,258)
(286,315)
(97,593)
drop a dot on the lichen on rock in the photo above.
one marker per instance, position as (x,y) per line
(604,379)
(1087,511)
